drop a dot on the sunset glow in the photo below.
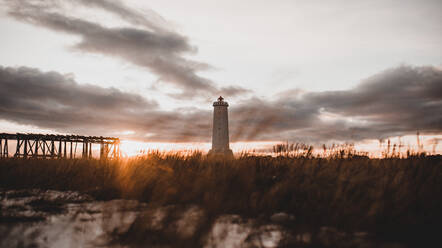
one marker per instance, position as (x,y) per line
(428,143)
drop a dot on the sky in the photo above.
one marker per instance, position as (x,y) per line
(299,71)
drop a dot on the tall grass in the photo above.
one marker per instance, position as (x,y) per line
(391,196)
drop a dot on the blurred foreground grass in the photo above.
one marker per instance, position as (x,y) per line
(397,199)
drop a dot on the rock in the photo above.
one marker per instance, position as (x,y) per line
(280,217)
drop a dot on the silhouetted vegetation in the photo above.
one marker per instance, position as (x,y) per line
(392,198)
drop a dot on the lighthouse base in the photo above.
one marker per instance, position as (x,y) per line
(220,152)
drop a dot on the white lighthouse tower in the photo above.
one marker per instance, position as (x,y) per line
(220,132)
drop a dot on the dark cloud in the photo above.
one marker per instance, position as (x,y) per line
(54,101)
(395,102)
(149,45)
(150,20)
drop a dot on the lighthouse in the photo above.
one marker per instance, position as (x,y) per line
(220,131)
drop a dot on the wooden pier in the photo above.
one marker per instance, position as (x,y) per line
(48,146)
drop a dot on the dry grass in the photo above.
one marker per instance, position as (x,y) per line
(396,198)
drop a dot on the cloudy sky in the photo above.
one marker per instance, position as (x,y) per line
(310,71)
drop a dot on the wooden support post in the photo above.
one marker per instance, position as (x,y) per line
(43,142)
(25,148)
(1,148)
(71,150)
(90,150)
(85,145)
(52,148)
(64,154)
(59,149)
(43,149)
(6,149)
(36,148)
(17,148)
(75,150)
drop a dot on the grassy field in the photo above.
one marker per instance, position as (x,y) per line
(397,199)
